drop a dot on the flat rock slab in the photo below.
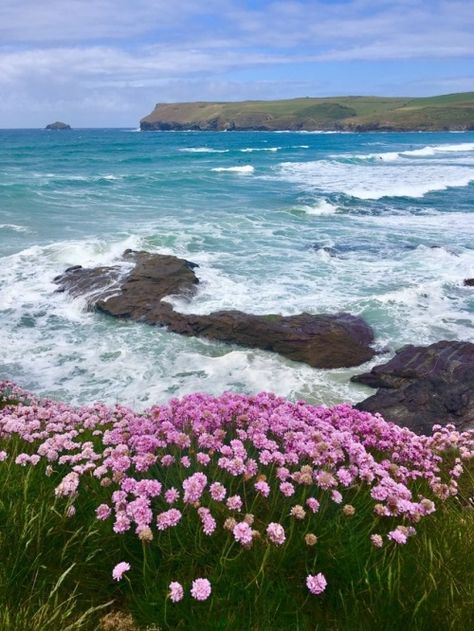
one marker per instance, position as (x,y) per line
(424,385)
(136,290)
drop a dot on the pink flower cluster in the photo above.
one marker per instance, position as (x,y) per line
(207,459)
(200,590)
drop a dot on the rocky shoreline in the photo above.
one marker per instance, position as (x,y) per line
(424,385)
(322,341)
(419,387)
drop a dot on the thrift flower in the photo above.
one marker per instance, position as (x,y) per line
(312,504)
(242,533)
(119,570)
(176,592)
(276,533)
(310,539)
(234,503)
(201,589)
(298,512)
(377,541)
(316,583)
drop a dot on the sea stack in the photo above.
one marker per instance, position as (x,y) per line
(58,125)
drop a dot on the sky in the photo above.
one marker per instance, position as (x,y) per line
(106,63)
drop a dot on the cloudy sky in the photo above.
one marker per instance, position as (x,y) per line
(96,63)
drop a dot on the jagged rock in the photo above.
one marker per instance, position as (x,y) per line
(136,291)
(469,282)
(424,385)
(58,125)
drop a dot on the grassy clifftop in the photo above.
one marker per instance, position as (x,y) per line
(350,113)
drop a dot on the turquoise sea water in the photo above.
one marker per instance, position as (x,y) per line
(380,225)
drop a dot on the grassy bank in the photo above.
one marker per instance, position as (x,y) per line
(348,113)
(57,557)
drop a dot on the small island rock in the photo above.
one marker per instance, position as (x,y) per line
(58,125)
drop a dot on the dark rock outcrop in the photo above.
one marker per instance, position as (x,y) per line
(424,385)
(469,282)
(58,125)
(137,292)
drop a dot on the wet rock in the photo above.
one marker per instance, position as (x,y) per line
(424,385)
(469,282)
(136,290)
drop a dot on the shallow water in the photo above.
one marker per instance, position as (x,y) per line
(381,225)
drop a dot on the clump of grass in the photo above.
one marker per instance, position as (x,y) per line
(63,467)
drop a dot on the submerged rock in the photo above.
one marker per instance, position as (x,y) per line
(58,125)
(424,385)
(136,290)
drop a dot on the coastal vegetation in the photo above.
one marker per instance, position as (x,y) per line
(345,113)
(231,512)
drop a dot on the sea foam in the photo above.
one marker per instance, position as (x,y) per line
(246,169)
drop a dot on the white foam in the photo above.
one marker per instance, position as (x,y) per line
(246,169)
(322,207)
(252,149)
(422,152)
(202,150)
(14,227)
(374,181)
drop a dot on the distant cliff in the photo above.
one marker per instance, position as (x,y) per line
(349,113)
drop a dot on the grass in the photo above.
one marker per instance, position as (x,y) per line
(55,571)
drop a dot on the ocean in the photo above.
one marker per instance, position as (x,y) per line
(380,225)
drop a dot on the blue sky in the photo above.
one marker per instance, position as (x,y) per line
(107,62)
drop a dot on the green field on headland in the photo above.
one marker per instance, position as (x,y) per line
(349,113)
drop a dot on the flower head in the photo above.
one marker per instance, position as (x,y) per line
(176,592)
(201,589)
(119,570)
(316,583)
(276,533)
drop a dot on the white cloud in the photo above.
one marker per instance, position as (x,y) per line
(91,59)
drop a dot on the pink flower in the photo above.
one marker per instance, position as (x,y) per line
(168,519)
(316,583)
(262,487)
(176,592)
(68,485)
(287,489)
(3,456)
(276,533)
(171,495)
(103,512)
(201,589)
(234,503)
(119,570)
(218,491)
(398,536)
(194,487)
(376,540)
(207,520)
(242,533)
(313,504)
